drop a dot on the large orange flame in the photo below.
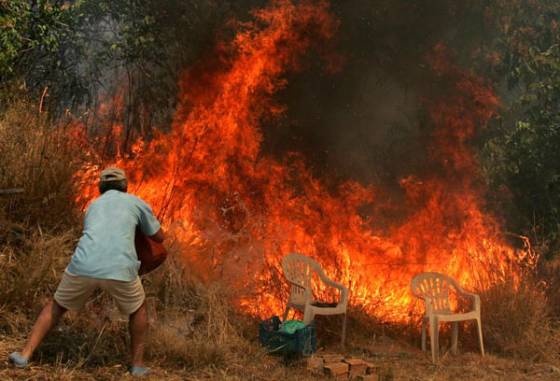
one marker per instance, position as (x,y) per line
(236,212)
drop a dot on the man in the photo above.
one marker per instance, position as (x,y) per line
(104,258)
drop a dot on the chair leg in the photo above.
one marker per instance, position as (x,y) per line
(480,339)
(454,337)
(434,337)
(308,315)
(424,321)
(343,340)
(286,312)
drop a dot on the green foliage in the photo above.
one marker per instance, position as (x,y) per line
(84,50)
(39,50)
(522,152)
(11,39)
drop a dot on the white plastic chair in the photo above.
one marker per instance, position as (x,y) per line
(434,289)
(299,270)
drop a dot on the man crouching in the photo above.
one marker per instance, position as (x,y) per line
(104,258)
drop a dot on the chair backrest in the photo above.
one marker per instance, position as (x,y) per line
(434,287)
(299,269)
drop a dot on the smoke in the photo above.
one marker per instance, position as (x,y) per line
(366,120)
(351,124)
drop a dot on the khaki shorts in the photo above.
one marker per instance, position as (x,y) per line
(73,292)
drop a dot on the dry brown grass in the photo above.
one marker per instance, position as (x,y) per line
(517,321)
(31,263)
(193,327)
(38,156)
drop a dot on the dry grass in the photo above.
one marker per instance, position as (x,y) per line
(518,321)
(193,327)
(31,263)
(38,156)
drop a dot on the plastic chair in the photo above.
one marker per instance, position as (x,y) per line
(434,289)
(299,270)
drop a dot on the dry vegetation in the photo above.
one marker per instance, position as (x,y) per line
(194,333)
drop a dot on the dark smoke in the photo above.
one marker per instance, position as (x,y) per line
(366,121)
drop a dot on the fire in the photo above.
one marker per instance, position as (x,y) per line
(236,212)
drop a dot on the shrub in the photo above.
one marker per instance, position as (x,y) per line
(517,321)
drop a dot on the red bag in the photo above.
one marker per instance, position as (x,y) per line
(150,253)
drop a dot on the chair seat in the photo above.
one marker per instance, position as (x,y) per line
(328,310)
(324,304)
(321,308)
(453,316)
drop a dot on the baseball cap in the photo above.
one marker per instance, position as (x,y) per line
(112,174)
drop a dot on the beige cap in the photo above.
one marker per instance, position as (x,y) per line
(112,174)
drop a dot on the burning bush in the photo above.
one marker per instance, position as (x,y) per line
(237,211)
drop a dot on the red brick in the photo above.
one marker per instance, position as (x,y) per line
(357,370)
(353,361)
(371,368)
(337,369)
(358,367)
(316,365)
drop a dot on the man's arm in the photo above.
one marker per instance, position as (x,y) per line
(159,237)
(148,223)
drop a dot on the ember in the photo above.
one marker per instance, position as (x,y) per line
(236,212)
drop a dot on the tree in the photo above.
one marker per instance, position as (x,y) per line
(39,50)
(521,151)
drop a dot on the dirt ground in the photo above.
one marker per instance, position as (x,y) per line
(396,360)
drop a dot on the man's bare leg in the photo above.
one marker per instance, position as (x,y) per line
(48,318)
(138,325)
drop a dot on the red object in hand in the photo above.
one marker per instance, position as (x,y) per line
(150,253)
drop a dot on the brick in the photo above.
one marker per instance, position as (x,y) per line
(357,370)
(353,361)
(358,367)
(371,368)
(316,365)
(337,369)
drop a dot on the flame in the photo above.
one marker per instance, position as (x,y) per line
(235,212)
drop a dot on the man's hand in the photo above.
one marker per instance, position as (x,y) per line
(159,237)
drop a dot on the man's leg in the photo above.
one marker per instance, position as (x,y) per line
(130,298)
(48,318)
(72,292)
(138,325)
